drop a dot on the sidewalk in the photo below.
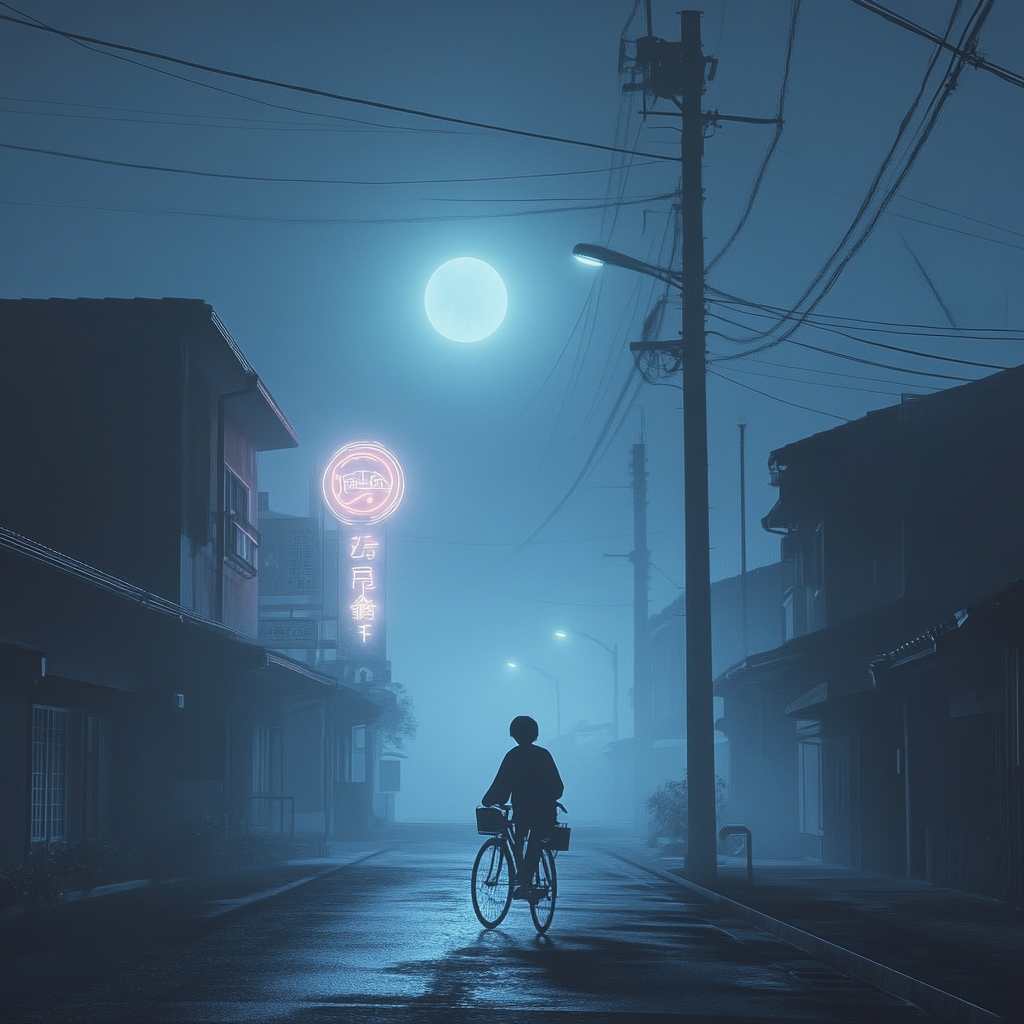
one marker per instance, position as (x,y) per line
(80,939)
(957,955)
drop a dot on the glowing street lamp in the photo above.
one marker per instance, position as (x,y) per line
(613,653)
(558,690)
(690,354)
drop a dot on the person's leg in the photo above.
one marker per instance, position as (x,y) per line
(539,831)
(519,831)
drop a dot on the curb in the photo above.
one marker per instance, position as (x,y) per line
(220,907)
(893,982)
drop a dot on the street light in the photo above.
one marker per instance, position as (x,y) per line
(597,256)
(613,653)
(691,354)
(558,690)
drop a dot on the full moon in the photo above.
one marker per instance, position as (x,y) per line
(465,299)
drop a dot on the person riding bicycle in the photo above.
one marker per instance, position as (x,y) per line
(527,774)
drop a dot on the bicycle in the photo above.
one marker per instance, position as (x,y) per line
(495,869)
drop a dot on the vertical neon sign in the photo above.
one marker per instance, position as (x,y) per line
(363,485)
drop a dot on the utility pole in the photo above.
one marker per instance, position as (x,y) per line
(702,845)
(676,72)
(743,532)
(643,712)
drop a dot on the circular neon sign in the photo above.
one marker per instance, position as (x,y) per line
(363,483)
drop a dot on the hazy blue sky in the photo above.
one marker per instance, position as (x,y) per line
(322,284)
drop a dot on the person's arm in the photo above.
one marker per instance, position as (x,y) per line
(501,788)
(557,786)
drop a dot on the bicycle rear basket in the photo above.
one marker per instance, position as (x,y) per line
(559,838)
(490,821)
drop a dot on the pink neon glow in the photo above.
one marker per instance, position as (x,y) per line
(363,483)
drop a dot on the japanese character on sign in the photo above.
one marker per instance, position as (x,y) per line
(365,632)
(363,545)
(362,579)
(363,608)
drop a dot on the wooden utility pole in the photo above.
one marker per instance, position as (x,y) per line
(702,840)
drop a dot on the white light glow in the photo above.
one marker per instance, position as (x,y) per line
(511,664)
(465,300)
(588,260)
(559,632)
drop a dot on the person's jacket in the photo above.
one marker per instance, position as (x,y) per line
(527,774)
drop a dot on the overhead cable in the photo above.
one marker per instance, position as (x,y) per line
(439,218)
(325,94)
(865,219)
(794,12)
(970,56)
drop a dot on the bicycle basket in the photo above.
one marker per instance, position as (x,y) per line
(559,838)
(490,821)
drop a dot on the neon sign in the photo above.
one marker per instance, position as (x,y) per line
(363,483)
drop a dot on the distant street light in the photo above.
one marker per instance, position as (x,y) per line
(613,652)
(558,690)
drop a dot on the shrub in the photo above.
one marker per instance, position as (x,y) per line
(667,808)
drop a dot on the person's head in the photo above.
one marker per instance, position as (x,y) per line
(523,730)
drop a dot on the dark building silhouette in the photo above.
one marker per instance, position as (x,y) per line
(885,732)
(134,694)
(765,588)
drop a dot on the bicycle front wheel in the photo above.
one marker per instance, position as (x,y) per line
(492,882)
(545,884)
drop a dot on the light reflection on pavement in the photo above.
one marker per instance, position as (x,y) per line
(394,938)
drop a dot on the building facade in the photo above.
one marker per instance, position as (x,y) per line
(883,733)
(136,702)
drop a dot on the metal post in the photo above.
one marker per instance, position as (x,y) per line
(702,853)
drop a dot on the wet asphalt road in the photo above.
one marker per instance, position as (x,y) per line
(393,938)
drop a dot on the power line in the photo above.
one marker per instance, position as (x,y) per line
(309,91)
(838,260)
(961,231)
(153,211)
(875,326)
(970,56)
(192,172)
(835,373)
(769,153)
(783,401)
(591,458)
(878,344)
(814,383)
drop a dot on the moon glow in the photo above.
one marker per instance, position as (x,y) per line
(465,299)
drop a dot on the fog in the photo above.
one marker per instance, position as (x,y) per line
(322,286)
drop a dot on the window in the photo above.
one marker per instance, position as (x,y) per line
(49,774)
(241,537)
(357,760)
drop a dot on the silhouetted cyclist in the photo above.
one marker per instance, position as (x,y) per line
(527,774)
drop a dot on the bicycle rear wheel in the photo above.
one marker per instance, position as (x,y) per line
(492,882)
(545,883)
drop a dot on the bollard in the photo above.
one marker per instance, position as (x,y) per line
(741,830)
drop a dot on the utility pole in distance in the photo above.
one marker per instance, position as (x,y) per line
(643,710)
